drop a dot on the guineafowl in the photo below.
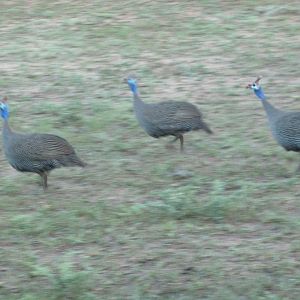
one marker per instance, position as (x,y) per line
(37,153)
(284,125)
(166,118)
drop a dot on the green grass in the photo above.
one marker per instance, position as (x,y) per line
(128,227)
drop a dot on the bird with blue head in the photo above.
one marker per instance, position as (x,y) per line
(166,118)
(258,91)
(35,152)
(284,125)
(132,84)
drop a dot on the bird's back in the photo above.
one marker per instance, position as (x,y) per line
(170,117)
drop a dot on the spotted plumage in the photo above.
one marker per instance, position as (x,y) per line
(166,118)
(36,153)
(284,125)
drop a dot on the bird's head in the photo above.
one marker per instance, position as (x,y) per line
(132,82)
(257,88)
(4,108)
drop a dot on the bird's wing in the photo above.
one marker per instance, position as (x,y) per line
(289,123)
(42,146)
(171,110)
(187,112)
(171,116)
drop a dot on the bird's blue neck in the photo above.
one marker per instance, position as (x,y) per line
(133,88)
(271,111)
(260,94)
(5,114)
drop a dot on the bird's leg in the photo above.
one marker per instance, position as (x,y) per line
(44,180)
(171,142)
(45,177)
(181,142)
(179,136)
(175,139)
(297,171)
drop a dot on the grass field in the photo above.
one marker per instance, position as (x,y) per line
(143,221)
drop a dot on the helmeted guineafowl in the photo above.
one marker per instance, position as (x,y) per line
(166,118)
(284,125)
(37,153)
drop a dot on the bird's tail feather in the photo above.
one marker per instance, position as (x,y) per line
(206,128)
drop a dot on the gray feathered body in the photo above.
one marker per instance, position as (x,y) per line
(285,126)
(37,153)
(168,118)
